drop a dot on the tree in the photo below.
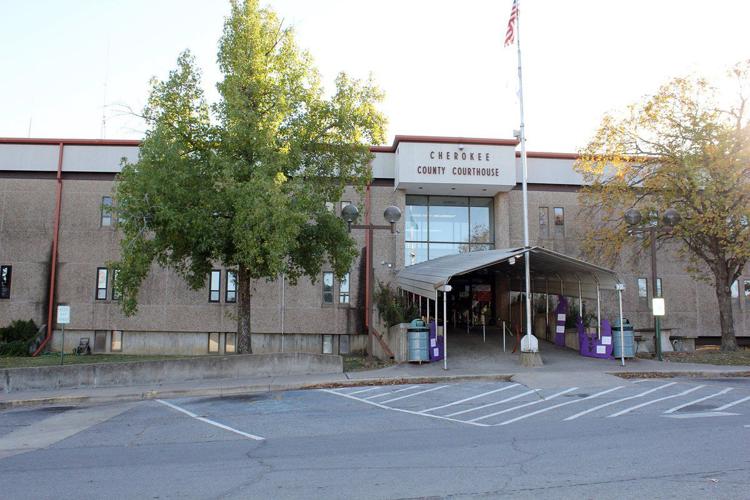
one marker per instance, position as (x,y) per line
(244,182)
(687,147)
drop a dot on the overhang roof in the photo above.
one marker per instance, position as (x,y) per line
(551,272)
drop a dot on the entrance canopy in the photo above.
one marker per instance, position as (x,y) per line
(550,272)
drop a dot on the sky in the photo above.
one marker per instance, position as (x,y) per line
(67,65)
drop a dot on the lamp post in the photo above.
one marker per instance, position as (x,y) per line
(670,219)
(392,215)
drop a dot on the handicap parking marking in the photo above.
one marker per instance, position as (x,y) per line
(657,400)
(696,401)
(566,391)
(460,401)
(553,407)
(610,403)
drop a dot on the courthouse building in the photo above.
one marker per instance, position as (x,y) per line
(457,195)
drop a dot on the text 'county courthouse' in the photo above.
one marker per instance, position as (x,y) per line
(456,195)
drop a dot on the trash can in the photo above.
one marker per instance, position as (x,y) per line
(628,342)
(418,342)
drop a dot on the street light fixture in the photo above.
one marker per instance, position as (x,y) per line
(392,215)
(669,220)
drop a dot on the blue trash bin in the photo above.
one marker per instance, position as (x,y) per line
(418,342)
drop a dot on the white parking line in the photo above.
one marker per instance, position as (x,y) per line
(364,390)
(573,417)
(401,410)
(414,394)
(729,405)
(647,403)
(470,399)
(691,403)
(209,421)
(559,405)
(532,391)
(524,405)
(392,392)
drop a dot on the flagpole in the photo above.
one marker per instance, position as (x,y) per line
(528,343)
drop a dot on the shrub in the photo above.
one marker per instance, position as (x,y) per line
(394,308)
(19,330)
(15,348)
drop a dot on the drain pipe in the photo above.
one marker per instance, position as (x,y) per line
(55,241)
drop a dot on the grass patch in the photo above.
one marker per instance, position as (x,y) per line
(711,356)
(53,359)
(358,361)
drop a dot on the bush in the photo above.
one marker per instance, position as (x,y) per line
(17,337)
(394,308)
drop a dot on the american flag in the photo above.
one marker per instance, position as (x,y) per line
(510,33)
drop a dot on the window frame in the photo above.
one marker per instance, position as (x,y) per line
(9,281)
(217,337)
(105,288)
(217,290)
(345,295)
(558,221)
(638,287)
(121,335)
(331,291)
(103,214)
(233,336)
(324,337)
(234,287)
(544,226)
(115,294)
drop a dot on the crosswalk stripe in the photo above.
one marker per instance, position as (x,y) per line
(647,403)
(560,404)
(470,399)
(584,412)
(729,405)
(691,403)
(391,392)
(533,391)
(524,405)
(413,394)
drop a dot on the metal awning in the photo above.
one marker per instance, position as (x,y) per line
(551,272)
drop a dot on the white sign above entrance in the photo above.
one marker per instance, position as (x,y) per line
(455,169)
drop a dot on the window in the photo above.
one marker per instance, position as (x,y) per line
(343,344)
(106,211)
(327,344)
(344,289)
(5,275)
(543,222)
(747,288)
(230,343)
(328,287)
(231,295)
(446,225)
(213,342)
(559,216)
(214,286)
(115,293)
(735,288)
(642,288)
(102,277)
(658,288)
(115,343)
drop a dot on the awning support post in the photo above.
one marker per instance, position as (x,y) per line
(598,312)
(622,327)
(445,330)
(546,311)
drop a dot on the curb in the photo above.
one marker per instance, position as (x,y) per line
(689,374)
(237,390)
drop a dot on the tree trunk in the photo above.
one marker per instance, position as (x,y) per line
(244,345)
(724,296)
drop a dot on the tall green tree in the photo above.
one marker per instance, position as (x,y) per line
(244,182)
(688,147)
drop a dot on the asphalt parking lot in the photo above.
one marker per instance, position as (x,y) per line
(666,438)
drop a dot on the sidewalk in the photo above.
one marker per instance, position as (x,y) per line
(562,367)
